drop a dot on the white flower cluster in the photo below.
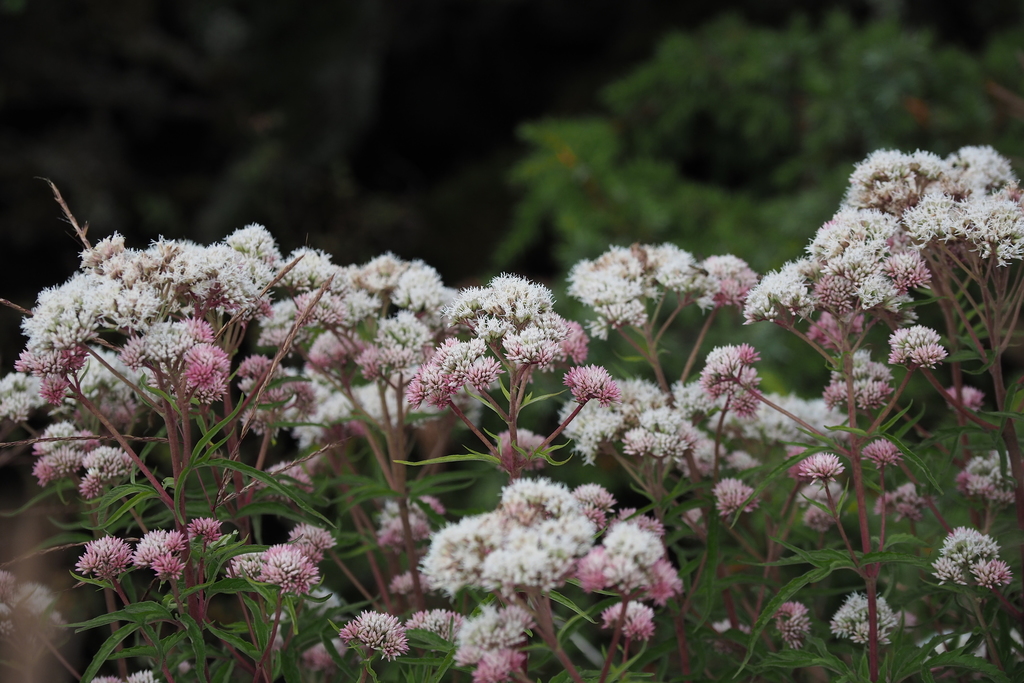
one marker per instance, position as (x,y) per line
(970,553)
(518,316)
(619,283)
(985,479)
(990,226)
(782,295)
(532,540)
(894,181)
(19,396)
(25,605)
(851,620)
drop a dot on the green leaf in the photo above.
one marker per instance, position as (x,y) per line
(562,600)
(195,635)
(466,457)
(961,660)
(896,558)
(108,646)
(235,641)
(290,666)
(443,667)
(428,640)
(918,463)
(211,433)
(270,482)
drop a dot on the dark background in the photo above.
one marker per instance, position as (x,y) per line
(356,127)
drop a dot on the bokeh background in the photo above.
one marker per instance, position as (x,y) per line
(478,135)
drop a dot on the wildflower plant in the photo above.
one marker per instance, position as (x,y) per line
(279,466)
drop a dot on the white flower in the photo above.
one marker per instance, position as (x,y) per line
(981,170)
(780,293)
(851,620)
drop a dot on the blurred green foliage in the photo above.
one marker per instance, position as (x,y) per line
(739,139)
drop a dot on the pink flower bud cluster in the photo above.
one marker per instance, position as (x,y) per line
(904,502)
(291,566)
(207,529)
(65,453)
(390,531)
(732,495)
(442,622)
(630,560)
(985,479)
(793,623)
(454,365)
(728,372)
(821,467)
(638,623)
(916,346)
(592,382)
(968,556)
(532,540)
(882,453)
(871,384)
(376,632)
(492,640)
(287,397)
(851,620)
(105,558)
(161,550)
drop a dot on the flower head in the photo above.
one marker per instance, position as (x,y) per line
(916,346)
(377,631)
(443,622)
(882,452)
(106,558)
(638,623)
(290,568)
(592,382)
(732,495)
(851,620)
(968,554)
(821,466)
(793,623)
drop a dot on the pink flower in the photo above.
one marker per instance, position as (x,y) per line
(972,398)
(317,658)
(663,582)
(106,558)
(638,623)
(732,495)
(592,382)
(206,372)
(288,567)
(728,366)
(882,452)
(377,631)
(916,346)
(823,466)
(992,573)
(311,540)
(168,566)
(498,666)
(206,528)
(157,543)
(793,623)
(574,346)
(907,270)
(443,622)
